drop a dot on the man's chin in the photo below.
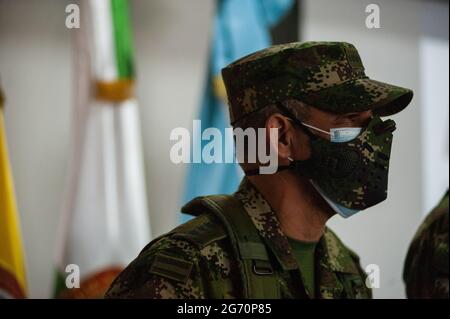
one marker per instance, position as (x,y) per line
(320,202)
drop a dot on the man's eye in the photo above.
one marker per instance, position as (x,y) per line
(353,117)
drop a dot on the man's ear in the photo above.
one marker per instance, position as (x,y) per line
(285,137)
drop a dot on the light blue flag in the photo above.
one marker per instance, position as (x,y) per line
(240,28)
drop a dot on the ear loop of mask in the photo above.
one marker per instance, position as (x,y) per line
(296,122)
(340,136)
(315,128)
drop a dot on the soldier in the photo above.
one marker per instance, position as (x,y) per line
(269,239)
(426,266)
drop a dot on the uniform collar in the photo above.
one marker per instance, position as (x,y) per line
(334,255)
(331,253)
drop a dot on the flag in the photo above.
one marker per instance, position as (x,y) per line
(12,264)
(240,28)
(104,220)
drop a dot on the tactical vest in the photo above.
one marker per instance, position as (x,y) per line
(258,278)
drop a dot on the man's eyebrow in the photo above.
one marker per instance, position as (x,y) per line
(338,117)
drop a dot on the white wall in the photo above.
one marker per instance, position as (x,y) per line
(171,39)
(434,104)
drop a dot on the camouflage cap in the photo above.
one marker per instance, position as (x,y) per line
(326,75)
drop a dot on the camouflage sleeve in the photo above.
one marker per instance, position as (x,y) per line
(426,270)
(169,269)
(362,292)
(353,276)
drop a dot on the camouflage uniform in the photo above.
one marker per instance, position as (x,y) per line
(211,271)
(426,266)
(327,75)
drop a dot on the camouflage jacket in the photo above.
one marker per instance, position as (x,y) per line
(426,266)
(211,272)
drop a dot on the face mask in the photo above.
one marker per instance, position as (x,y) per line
(352,174)
(339,209)
(337,135)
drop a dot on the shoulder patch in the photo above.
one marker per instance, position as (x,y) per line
(201,231)
(171,267)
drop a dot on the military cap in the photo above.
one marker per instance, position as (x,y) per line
(327,75)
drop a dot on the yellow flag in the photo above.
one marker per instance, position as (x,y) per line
(12,266)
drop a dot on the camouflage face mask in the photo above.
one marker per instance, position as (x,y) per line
(353,174)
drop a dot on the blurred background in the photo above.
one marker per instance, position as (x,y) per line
(171,41)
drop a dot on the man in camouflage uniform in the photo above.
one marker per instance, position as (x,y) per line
(269,239)
(426,266)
